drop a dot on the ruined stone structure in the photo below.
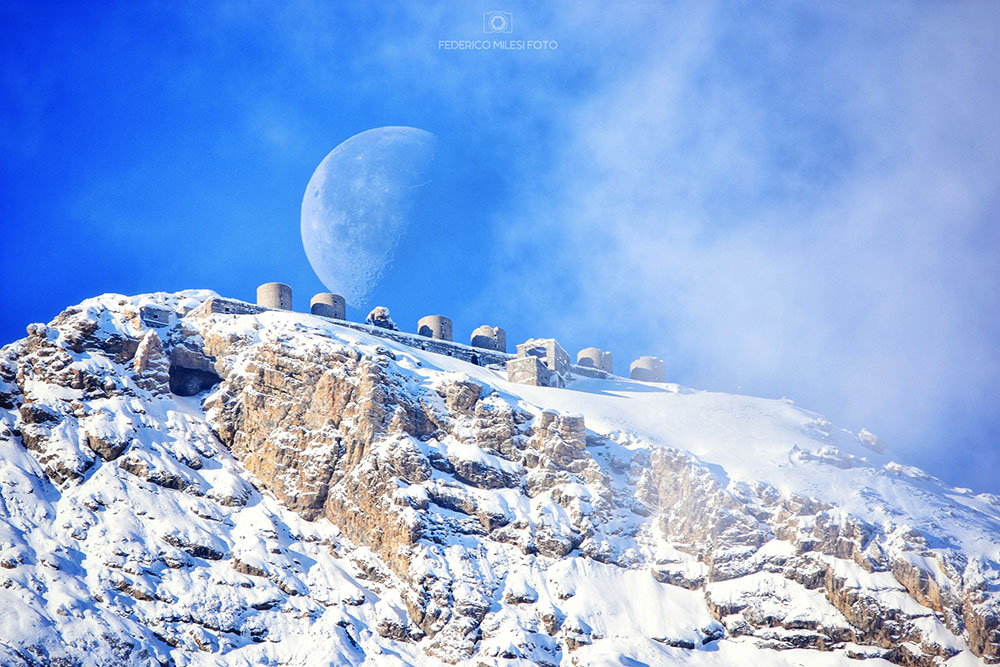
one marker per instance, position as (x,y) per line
(549,351)
(594,357)
(154,317)
(275,295)
(435,326)
(223,306)
(478,356)
(489,338)
(531,370)
(647,369)
(540,361)
(328,304)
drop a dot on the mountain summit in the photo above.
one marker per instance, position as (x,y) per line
(182,486)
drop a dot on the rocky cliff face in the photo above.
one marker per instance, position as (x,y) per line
(275,489)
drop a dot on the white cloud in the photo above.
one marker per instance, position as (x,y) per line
(799,201)
(795,198)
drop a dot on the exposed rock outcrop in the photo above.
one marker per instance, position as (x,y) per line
(283,468)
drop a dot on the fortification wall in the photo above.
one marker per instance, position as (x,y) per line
(223,306)
(472,355)
(475,355)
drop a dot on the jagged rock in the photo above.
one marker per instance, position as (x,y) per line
(461,397)
(435,517)
(35,413)
(108,448)
(482,474)
(151,365)
(193,548)
(158,476)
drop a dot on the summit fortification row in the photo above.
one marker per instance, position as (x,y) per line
(539,361)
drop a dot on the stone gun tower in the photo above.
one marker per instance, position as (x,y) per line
(489,338)
(594,357)
(647,369)
(328,304)
(435,326)
(275,295)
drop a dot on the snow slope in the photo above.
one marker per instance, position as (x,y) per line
(700,528)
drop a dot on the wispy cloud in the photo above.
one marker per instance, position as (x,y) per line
(799,200)
(791,198)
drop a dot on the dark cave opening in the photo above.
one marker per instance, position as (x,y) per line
(191,381)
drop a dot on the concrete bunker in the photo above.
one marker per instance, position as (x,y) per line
(548,351)
(530,370)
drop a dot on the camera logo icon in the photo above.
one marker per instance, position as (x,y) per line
(498,22)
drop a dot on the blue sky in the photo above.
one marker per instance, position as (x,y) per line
(795,199)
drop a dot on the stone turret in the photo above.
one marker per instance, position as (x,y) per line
(275,295)
(435,326)
(328,304)
(594,357)
(490,338)
(647,369)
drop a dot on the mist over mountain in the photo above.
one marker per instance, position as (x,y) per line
(783,199)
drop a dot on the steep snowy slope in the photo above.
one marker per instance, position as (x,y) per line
(325,496)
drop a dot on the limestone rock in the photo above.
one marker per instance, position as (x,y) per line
(429,514)
(151,365)
(107,447)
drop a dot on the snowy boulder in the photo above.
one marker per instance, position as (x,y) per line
(379,317)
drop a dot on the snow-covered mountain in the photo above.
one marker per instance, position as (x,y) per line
(327,497)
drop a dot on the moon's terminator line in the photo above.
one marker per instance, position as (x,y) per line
(356,206)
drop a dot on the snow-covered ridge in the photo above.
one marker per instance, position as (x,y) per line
(329,497)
